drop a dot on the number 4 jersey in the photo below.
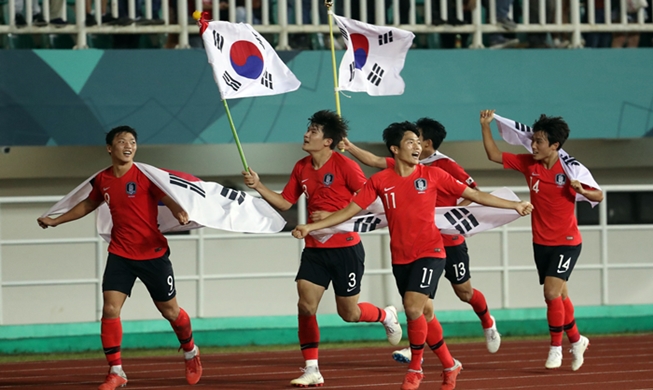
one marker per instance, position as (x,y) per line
(409,204)
(553,220)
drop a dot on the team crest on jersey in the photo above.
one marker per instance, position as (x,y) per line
(131,188)
(561,179)
(328,179)
(420,184)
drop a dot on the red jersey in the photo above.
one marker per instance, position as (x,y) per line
(329,188)
(409,204)
(553,220)
(445,199)
(133,202)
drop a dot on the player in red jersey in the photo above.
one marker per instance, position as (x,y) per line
(329,181)
(432,133)
(409,193)
(556,239)
(137,250)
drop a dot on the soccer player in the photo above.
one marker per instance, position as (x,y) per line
(409,192)
(556,239)
(456,269)
(137,250)
(329,181)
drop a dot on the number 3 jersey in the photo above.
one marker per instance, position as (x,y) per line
(133,202)
(409,204)
(553,220)
(329,188)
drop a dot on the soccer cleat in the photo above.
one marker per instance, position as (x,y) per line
(194,368)
(555,358)
(578,350)
(310,378)
(113,381)
(449,376)
(492,337)
(391,324)
(412,380)
(402,355)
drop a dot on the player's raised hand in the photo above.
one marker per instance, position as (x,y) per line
(524,208)
(344,145)
(300,231)
(251,178)
(487,116)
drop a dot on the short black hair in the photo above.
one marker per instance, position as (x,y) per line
(393,134)
(111,135)
(333,125)
(431,130)
(555,128)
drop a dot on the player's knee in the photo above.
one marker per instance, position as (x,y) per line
(110,311)
(464,295)
(551,294)
(306,309)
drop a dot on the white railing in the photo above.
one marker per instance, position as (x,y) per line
(285,17)
(605,266)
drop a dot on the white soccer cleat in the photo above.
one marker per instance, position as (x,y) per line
(402,355)
(310,378)
(555,358)
(391,324)
(492,337)
(578,350)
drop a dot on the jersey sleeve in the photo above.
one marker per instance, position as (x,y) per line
(155,191)
(455,170)
(518,162)
(354,176)
(293,189)
(447,183)
(95,194)
(390,162)
(367,195)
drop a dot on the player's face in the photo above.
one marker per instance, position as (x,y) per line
(541,147)
(425,153)
(410,148)
(123,148)
(314,139)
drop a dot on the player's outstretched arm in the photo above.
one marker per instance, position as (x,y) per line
(252,180)
(180,214)
(80,210)
(366,157)
(491,148)
(522,207)
(591,194)
(340,216)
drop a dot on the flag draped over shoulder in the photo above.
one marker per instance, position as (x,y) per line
(374,58)
(208,204)
(516,133)
(466,220)
(244,64)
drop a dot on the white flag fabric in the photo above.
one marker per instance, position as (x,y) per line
(207,204)
(374,58)
(516,133)
(244,64)
(466,220)
(434,157)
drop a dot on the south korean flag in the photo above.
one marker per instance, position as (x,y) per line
(374,58)
(244,64)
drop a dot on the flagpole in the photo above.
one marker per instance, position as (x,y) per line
(329,4)
(233,131)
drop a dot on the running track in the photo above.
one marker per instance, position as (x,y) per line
(611,363)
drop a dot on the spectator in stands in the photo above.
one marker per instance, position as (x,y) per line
(498,40)
(37,16)
(597,39)
(627,39)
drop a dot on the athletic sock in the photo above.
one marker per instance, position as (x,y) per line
(370,313)
(183,330)
(435,340)
(417,331)
(555,315)
(570,322)
(111,335)
(309,337)
(480,308)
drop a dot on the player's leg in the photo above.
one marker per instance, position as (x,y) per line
(414,303)
(435,341)
(579,343)
(346,267)
(117,283)
(158,277)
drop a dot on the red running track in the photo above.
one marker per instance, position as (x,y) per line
(611,363)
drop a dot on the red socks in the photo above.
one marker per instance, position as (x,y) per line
(480,308)
(435,340)
(417,331)
(570,323)
(555,314)
(371,313)
(184,332)
(309,336)
(111,335)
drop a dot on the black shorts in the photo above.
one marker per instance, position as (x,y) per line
(556,261)
(156,274)
(342,266)
(457,268)
(421,276)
